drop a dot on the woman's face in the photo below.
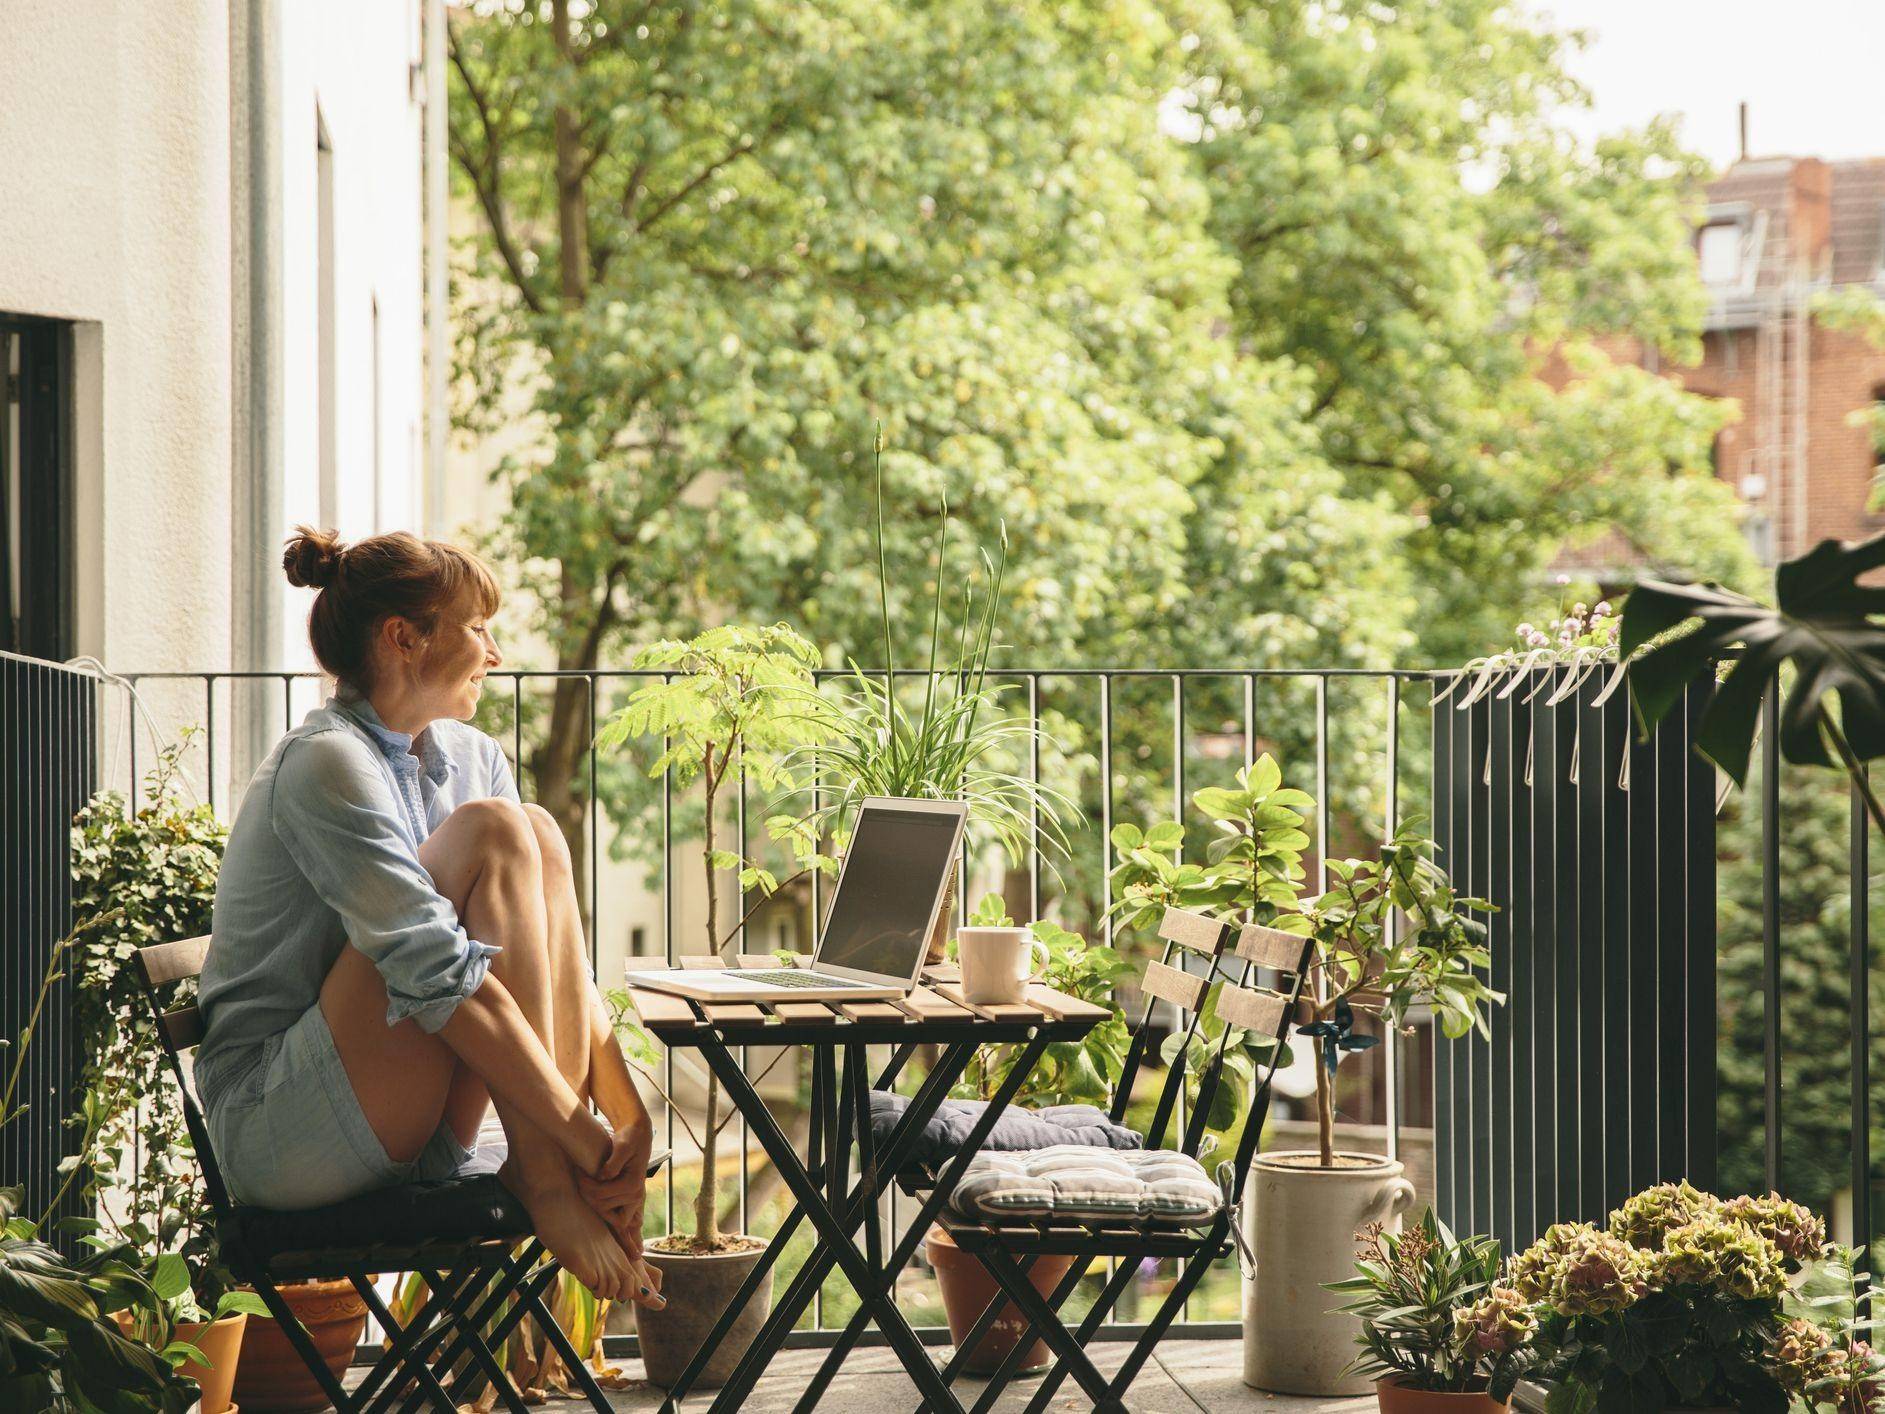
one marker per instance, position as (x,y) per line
(456,657)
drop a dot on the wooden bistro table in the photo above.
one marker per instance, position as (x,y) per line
(934,1013)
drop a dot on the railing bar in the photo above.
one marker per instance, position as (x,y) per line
(1034,808)
(1106,809)
(739,801)
(1861,1015)
(1770,928)
(594,807)
(667,946)
(1391,1044)
(209,739)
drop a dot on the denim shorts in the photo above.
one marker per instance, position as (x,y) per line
(289,1132)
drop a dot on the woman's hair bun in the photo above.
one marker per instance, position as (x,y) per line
(311,558)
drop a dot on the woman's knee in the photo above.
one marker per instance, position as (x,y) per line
(552,848)
(497,829)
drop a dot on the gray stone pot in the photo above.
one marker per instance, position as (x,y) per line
(698,1289)
(1302,1223)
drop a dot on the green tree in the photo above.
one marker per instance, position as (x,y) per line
(727,239)
(1453,273)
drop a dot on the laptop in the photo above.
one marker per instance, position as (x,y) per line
(876,932)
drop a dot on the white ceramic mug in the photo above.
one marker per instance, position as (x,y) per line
(995,963)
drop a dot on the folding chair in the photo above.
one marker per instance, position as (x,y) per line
(469,1238)
(1008,1247)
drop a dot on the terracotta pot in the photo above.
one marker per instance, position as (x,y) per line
(1397,1398)
(1302,1221)
(967,1288)
(221,1344)
(272,1379)
(698,1289)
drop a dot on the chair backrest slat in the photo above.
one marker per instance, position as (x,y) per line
(1197,931)
(1252,1008)
(173,962)
(1270,947)
(181,1029)
(184,1027)
(1169,984)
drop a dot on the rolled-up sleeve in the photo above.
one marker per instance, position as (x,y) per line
(335,812)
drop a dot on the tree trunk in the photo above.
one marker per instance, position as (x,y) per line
(707,1201)
(1325,1113)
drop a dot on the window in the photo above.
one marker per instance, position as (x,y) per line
(36,612)
(1719,248)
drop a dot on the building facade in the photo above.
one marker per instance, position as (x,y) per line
(1779,232)
(213,315)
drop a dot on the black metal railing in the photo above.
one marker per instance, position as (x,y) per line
(1142,740)
(1133,744)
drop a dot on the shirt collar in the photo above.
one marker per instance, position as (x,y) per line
(394,745)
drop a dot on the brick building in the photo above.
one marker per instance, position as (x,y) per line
(1778,231)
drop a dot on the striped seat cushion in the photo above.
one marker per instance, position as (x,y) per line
(1077,1181)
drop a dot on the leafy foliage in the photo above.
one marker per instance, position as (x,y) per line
(1068,1072)
(152,873)
(60,1349)
(728,697)
(1411,1290)
(1821,625)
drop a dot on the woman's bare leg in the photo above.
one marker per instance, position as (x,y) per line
(586,1049)
(485,860)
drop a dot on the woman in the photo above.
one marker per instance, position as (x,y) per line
(396,942)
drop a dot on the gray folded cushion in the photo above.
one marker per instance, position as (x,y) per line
(1017,1128)
(1075,1181)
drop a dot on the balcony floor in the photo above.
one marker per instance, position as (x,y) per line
(1185,1377)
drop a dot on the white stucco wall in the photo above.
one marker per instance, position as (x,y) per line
(114,156)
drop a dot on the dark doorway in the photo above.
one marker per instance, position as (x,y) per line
(36,525)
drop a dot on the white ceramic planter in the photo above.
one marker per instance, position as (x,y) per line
(1302,1223)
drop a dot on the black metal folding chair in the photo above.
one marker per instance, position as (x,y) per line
(1009,1247)
(469,1238)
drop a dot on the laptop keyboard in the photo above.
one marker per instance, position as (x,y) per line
(792,977)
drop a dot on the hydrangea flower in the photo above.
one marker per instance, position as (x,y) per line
(1498,1323)
(1644,1220)
(1795,1230)
(1579,1271)
(1724,1255)
(1803,1354)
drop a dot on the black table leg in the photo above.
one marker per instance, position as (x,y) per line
(836,1246)
(913,1237)
(898,1147)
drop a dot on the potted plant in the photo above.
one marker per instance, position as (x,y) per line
(61,1345)
(728,702)
(1068,1073)
(1435,1326)
(1305,1207)
(153,872)
(203,1344)
(875,741)
(1681,1302)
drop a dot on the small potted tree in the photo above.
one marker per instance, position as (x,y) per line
(1435,1326)
(729,702)
(1305,1207)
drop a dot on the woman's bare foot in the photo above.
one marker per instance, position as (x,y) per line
(574,1233)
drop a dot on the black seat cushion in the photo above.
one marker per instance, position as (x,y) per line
(381,1225)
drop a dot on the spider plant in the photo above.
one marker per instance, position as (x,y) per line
(960,742)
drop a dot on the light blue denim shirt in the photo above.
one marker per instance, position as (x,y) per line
(325,851)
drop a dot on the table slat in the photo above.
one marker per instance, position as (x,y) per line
(760,959)
(734,1013)
(1019,1013)
(702,961)
(812,1013)
(926,1005)
(1062,1007)
(872,1011)
(661,1008)
(942,972)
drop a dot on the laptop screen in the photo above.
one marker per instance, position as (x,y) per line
(879,920)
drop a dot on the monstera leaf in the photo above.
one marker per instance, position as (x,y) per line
(1821,622)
